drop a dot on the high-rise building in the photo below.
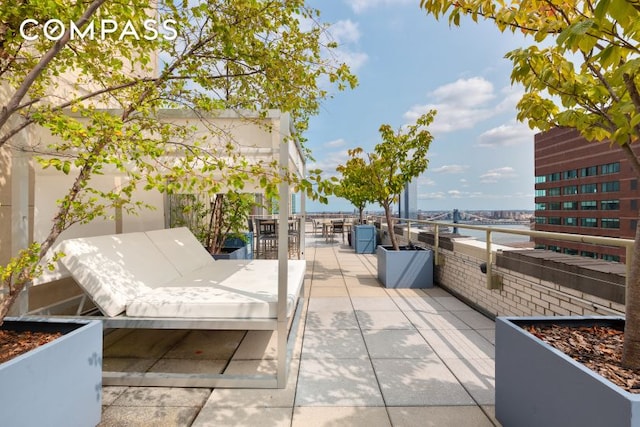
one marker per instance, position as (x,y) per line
(409,201)
(584,188)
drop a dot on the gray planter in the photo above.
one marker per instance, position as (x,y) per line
(364,239)
(538,385)
(56,384)
(236,248)
(231,253)
(406,268)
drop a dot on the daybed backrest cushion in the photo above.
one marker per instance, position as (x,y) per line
(181,248)
(114,269)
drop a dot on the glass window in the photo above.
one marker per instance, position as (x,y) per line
(588,188)
(570,251)
(553,248)
(554,177)
(588,254)
(554,220)
(569,190)
(541,220)
(610,223)
(589,205)
(589,222)
(554,206)
(541,179)
(541,206)
(610,168)
(570,174)
(634,204)
(634,184)
(541,193)
(590,171)
(553,191)
(609,205)
(608,187)
(570,206)
(571,221)
(614,258)
(633,224)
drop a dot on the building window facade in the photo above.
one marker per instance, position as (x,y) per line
(610,187)
(588,222)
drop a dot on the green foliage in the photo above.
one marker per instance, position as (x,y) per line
(354,185)
(229,54)
(587,77)
(398,159)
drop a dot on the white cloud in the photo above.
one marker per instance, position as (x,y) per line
(431,196)
(329,162)
(346,34)
(422,181)
(359,6)
(514,133)
(495,175)
(450,169)
(460,105)
(345,31)
(465,92)
(335,143)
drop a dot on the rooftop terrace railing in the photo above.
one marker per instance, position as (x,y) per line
(490,230)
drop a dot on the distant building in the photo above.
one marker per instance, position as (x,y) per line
(583,188)
(409,201)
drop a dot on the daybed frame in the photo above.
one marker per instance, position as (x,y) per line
(285,326)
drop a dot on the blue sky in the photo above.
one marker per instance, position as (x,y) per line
(407,63)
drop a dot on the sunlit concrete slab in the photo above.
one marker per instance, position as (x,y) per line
(337,382)
(398,343)
(419,382)
(438,416)
(340,416)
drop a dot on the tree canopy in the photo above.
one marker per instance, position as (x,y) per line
(400,157)
(581,71)
(60,73)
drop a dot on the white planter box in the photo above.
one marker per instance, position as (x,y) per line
(56,384)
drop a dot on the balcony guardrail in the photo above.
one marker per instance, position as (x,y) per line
(581,238)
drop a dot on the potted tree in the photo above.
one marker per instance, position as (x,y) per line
(220,223)
(400,157)
(354,185)
(600,97)
(227,237)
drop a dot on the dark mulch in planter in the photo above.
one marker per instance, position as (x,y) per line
(13,344)
(597,347)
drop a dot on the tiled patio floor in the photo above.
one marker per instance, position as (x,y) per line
(366,356)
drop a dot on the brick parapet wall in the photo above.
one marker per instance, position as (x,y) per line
(521,294)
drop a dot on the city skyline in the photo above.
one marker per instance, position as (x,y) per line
(407,63)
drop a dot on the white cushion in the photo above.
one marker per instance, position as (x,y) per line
(181,248)
(115,269)
(233,289)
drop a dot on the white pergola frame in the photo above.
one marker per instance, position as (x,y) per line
(286,326)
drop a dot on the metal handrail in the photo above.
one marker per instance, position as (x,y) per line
(581,238)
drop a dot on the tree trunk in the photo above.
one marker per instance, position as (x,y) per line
(631,351)
(392,234)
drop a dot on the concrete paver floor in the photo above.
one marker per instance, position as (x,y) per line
(365,356)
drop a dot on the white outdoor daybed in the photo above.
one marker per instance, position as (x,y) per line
(165,279)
